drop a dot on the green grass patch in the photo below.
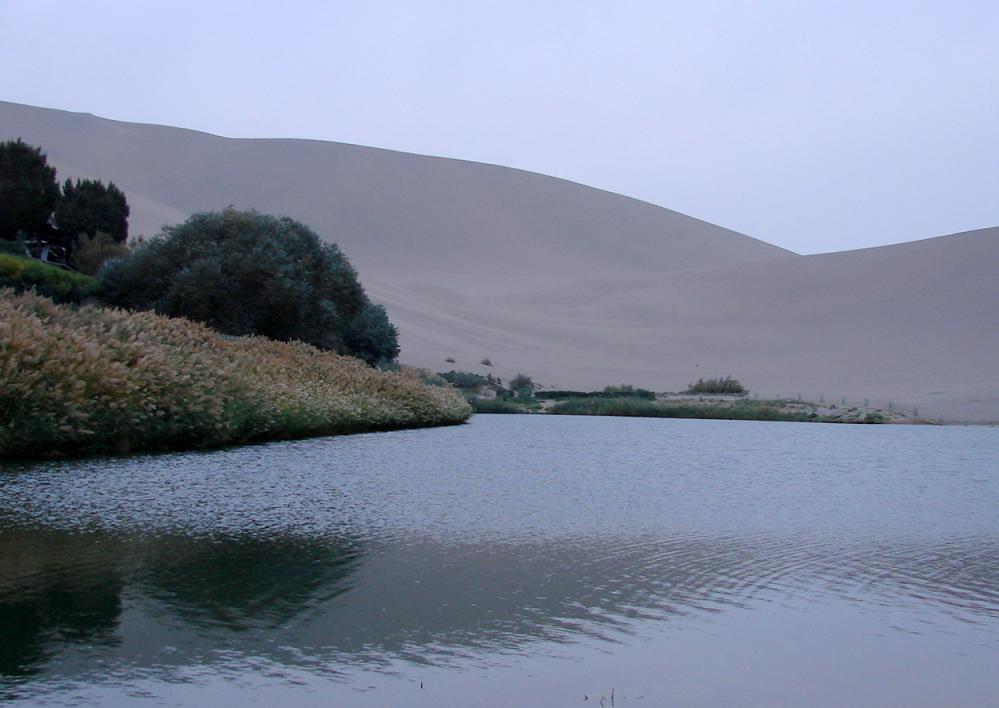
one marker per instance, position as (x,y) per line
(21,273)
(495,405)
(739,410)
(638,393)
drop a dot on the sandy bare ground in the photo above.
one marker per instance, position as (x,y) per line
(575,286)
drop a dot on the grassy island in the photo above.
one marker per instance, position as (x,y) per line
(78,380)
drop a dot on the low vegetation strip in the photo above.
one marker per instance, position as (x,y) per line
(720,410)
(492,405)
(61,285)
(638,393)
(91,380)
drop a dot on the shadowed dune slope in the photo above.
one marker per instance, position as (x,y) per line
(577,286)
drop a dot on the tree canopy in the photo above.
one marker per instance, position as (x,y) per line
(28,190)
(242,272)
(82,214)
(88,207)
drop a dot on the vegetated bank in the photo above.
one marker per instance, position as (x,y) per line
(717,399)
(80,380)
(744,409)
(723,398)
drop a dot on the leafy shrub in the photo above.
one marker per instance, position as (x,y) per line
(61,285)
(725,384)
(91,380)
(91,252)
(470,381)
(522,386)
(242,273)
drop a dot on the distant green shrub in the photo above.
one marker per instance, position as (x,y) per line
(469,381)
(61,285)
(726,384)
(522,386)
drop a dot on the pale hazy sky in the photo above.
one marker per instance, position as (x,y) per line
(817,126)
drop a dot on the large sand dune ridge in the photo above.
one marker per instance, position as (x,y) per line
(576,286)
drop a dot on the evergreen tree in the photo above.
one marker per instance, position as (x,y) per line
(28,190)
(88,207)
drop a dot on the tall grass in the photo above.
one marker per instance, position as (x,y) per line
(85,380)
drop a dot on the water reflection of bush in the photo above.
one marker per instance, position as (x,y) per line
(55,589)
(60,590)
(324,602)
(244,582)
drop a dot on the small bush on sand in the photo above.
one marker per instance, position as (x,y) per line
(726,384)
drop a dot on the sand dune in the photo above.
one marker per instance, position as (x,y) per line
(577,286)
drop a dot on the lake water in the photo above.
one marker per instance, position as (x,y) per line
(516,560)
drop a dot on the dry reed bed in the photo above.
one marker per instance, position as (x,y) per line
(88,379)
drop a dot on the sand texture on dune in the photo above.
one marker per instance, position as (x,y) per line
(576,286)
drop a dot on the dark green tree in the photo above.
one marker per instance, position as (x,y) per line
(241,272)
(28,190)
(371,336)
(87,207)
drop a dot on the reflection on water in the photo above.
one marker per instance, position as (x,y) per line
(240,584)
(333,555)
(54,589)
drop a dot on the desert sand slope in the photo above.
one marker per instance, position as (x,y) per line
(398,216)
(916,324)
(576,286)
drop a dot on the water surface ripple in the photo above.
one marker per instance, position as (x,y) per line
(592,547)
